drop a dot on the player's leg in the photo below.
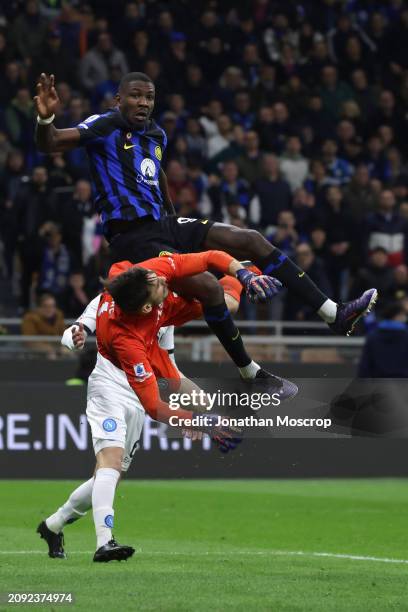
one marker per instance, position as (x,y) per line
(250,244)
(105,413)
(76,506)
(207,289)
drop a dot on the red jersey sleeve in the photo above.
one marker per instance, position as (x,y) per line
(177,266)
(131,355)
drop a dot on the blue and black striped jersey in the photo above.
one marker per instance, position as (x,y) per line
(125,165)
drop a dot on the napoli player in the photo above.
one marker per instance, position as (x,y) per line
(125,148)
(129,358)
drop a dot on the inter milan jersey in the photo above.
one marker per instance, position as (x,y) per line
(125,165)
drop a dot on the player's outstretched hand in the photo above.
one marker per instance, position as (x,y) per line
(258,288)
(225,436)
(74,337)
(46,100)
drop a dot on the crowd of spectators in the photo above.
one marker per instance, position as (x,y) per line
(286,117)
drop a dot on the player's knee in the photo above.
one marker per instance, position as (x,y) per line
(245,243)
(110,457)
(253,243)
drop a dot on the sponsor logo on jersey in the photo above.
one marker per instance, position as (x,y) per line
(140,372)
(128,146)
(204,221)
(109,521)
(158,152)
(148,168)
(129,135)
(109,425)
(148,171)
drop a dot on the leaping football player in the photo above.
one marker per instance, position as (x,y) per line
(125,149)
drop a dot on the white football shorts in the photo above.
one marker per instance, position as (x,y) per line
(114,412)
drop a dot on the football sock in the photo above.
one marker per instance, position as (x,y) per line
(250,370)
(76,506)
(221,324)
(103,494)
(278,265)
(328,311)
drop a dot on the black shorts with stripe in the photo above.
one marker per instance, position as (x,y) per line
(149,238)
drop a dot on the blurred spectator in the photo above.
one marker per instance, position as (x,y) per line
(138,50)
(45,320)
(218,132)
(317,181)
(333,91)
(80,224)
(340,237)
(232,192)
(304,209)
(241,111)
(385,353)
(359,195)
(32,208)
(285,236)
(19,117)
(55,263)
(178,181)
(94,67)
(400,288)
(339,170)
(271,194)
(387,229)
(75,299)
(376,160)
(293,165)
(265,90)
(340,36)
(29,31)
(54,58)
(363,93)
(248,162)
(377,274)
(197,91)
(11,81)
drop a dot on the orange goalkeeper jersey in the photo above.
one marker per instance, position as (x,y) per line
(129,341)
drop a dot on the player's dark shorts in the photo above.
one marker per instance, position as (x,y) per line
(149,238)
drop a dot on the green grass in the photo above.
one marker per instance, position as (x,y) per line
(219,545)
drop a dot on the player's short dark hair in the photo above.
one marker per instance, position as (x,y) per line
(134,76)
(130,290)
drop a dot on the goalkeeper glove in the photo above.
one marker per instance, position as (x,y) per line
(260,288)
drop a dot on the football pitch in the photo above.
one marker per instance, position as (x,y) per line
(315,545)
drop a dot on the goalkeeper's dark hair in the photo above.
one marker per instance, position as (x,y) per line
(130,290)
(134,76)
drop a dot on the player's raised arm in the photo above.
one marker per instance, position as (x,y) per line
(48,138)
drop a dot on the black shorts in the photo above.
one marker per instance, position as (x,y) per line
(150,238)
